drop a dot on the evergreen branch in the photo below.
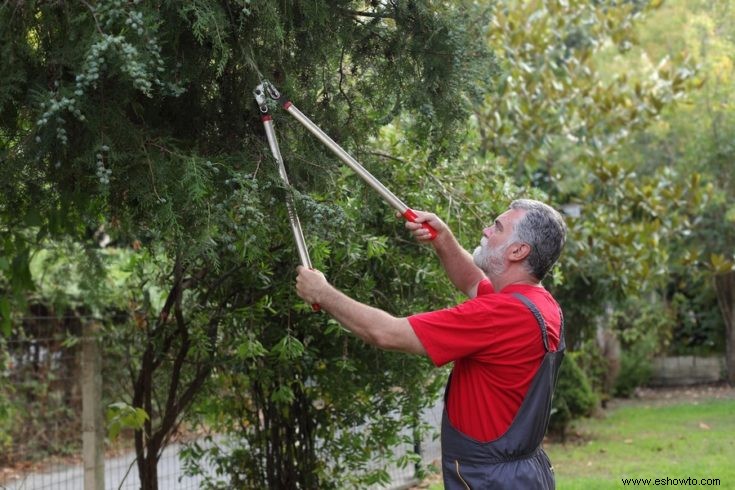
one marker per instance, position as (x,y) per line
(443,189)
(374,15)
(341,80)
(94,16)
(388,156)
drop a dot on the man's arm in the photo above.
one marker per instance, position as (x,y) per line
(457,262)
(374,326)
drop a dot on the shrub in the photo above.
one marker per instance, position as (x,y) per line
(573,398)
(635,369)
(600,367)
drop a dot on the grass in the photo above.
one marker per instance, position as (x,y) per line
(687,439)
(649,441)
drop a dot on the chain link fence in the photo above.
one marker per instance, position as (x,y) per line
(52,431)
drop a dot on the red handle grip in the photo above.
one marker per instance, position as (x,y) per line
(315,306)
(411,216)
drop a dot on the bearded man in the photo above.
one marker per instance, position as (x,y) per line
(506,342)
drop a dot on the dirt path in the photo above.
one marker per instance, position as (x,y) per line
(673,395)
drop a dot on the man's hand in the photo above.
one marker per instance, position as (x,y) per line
(422,234)
(310,283)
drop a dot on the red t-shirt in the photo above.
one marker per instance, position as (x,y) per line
(496,345)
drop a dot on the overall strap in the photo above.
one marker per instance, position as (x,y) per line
(562,343)
(539,318)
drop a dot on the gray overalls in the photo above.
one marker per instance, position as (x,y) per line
(514,461)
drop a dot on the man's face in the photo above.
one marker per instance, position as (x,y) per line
(490,255)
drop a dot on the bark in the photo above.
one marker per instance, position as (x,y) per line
(725,288)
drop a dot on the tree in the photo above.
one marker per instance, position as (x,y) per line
(136,120)
(557,120)
(696,136)
(725,287)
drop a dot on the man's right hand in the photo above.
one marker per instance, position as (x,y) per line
(422,234)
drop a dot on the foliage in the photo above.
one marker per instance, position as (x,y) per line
(551,100)
(133,123)
(38,403)
(696,136)
(573,398)
(122,416)
(698,327)
(635,371)
(599,369)
(556,120)
(8,412)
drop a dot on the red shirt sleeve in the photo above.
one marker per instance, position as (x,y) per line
(485,287)
(456,332)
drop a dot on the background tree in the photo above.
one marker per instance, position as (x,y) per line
(695,138)
(558,121)
(562,117)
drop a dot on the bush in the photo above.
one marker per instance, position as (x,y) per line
(574,397)
(644,326)
(601,368)
(635,369)
(7,410)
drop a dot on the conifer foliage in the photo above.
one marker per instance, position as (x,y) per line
(135,119)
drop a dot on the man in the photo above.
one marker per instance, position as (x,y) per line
(506,343)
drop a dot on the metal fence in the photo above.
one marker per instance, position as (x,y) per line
(52,433)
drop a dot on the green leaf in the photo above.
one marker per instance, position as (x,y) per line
(121,416)
(21,272)
(5,323)
(250,349)
(377,247)
(283,394)
(32,218)
(288,349)
(720,264)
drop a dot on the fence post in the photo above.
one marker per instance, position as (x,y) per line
(93,433)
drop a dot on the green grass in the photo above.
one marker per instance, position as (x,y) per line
(645,440)
(648,441)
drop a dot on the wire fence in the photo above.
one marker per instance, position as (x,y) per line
(45,378)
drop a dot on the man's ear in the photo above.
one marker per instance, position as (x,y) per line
(519,251)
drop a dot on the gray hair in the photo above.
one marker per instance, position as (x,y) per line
(543,228)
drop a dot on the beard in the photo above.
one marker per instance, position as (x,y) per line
(490,260)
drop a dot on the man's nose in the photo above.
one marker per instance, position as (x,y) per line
(487,231)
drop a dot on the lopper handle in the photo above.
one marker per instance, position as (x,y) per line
(411,216)
(315,307)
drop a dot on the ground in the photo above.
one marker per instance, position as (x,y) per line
(692,394)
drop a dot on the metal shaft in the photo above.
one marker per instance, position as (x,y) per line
(293,218)
(347,158)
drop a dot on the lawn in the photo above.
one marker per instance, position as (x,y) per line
(682,439)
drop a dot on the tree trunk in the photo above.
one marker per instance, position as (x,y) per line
(150,472)
(725,288)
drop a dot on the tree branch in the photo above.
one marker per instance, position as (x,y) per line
(374,15)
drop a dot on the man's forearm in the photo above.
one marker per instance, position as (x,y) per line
(373,325)
(458,264)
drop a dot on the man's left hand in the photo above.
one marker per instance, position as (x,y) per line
(310,283)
